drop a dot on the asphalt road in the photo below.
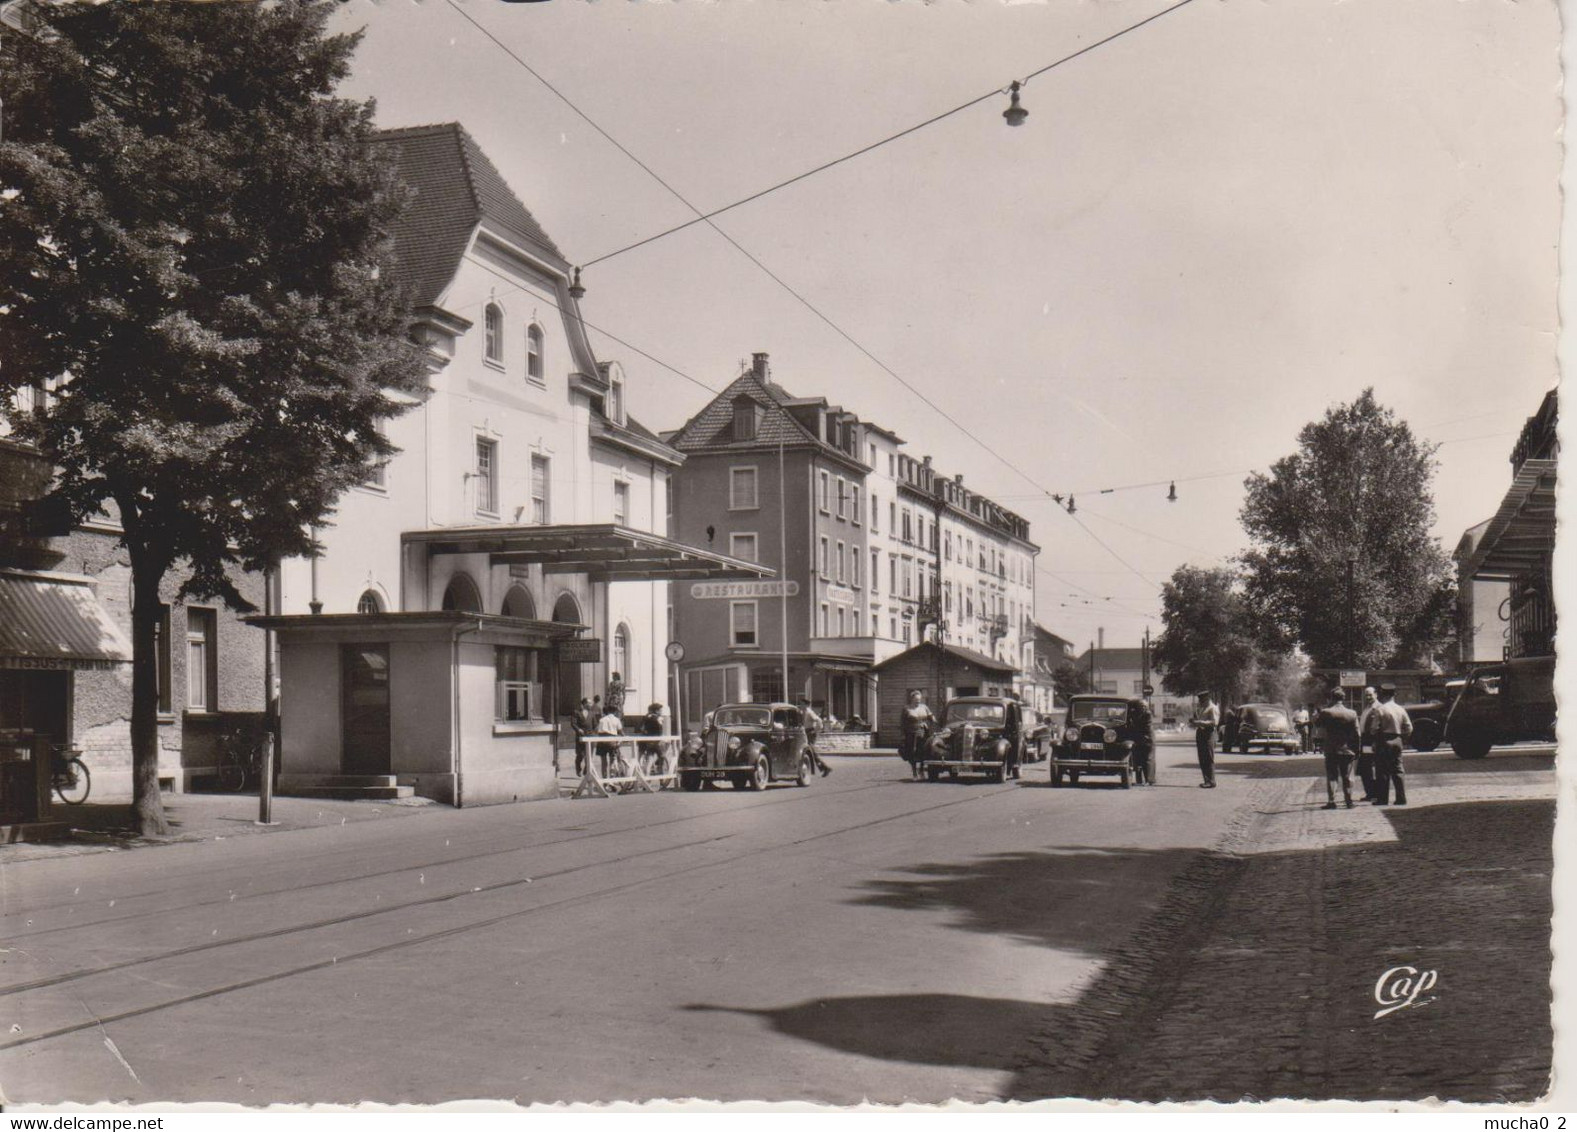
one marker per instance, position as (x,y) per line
(866,937)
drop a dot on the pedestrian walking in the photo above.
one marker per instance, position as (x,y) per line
(812,723)
(653,723)
(1340,726)
(914,725)
(1231,726)
(1389,726)
(1207,717)
(1366,756)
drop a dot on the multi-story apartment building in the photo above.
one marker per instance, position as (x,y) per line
(514,554)
(865,538)
(780,480)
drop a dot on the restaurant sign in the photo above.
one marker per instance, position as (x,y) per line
(59,663)
(707,590)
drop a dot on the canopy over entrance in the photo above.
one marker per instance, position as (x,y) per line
(603,552)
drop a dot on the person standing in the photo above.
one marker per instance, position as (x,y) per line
(615,699)
(1300,720)
(609,724)
(1366,773)
(1207,717)
(1231,725)
(584,723)
(1389,728)
(1340,726)
(914,725)
(812,723)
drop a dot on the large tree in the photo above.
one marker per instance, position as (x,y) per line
(1208,641)
(1357,489)
(193,239)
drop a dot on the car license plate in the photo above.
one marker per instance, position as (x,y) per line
(1092,746)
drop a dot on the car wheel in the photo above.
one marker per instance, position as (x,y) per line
(1426,736)
(1471,746)
(691,782)
(804,775)
(760,775)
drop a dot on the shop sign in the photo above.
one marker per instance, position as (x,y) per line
(581,650)
(58,664)
(840,593)
(1353,677)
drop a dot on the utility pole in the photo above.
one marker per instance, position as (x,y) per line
(783,572)
(1145,657)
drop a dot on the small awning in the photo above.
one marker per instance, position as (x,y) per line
(1521,537)
(55,622)
(603,552)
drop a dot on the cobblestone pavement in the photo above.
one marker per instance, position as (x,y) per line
(1257,980)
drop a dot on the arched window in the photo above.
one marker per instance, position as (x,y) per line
(621,651)
(518,603)
(369,602)
(534,352)
(461,594)
(493,334)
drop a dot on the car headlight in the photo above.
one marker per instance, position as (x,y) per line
(1071,735)
(1110,736)
(733,743)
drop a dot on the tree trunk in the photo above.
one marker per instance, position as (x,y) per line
(147,803)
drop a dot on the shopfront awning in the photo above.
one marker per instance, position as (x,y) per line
(603,552)
(1521,536)
(55,622)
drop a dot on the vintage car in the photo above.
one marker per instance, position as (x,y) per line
(750,745)
(1267,726)
(1429,714)
(1508,702)
(1039,734)
(977,735)
(1105,735)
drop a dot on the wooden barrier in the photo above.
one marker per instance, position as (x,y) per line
(631,777)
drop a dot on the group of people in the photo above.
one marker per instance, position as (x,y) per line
(599,716)
(1374,740)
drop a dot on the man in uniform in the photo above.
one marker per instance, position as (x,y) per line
(1388,729)
(1366,749)
(1340,726)
(1207,717)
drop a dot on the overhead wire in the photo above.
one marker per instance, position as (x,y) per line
(702,217)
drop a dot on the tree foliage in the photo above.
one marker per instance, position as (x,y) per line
(1208,640)
(1359,488)
(193,233)
(1070,679)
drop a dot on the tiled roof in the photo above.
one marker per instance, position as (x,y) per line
(713,427)
(456,186)
(979,660)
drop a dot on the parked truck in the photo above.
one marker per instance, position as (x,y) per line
(1509,702)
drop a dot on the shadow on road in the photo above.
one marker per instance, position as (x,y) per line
(1277,954)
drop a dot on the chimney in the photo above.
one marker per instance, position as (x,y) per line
(758,365)
(958,478)
(1100,639)
(927,461)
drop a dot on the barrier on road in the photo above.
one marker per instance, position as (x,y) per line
(610,769)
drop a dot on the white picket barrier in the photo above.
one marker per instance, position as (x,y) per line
(605,753)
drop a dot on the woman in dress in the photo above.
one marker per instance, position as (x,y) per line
(915,727)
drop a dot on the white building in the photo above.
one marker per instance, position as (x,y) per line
(524,509)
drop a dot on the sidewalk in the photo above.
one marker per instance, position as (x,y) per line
(1258,980)
(100,827)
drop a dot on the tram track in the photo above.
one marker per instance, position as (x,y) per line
(98,1021)
(231,898)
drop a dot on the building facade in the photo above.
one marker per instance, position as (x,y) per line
(1514,552)
(513,555)
(877,551)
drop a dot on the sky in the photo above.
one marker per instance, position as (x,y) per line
(1207,232)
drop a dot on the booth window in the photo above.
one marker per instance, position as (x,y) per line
(202,669)
(514,668)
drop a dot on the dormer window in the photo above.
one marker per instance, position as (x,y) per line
(534,352)
(616,401)
(747,415)
(493,334)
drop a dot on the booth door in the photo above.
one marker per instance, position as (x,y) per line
(364,709)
